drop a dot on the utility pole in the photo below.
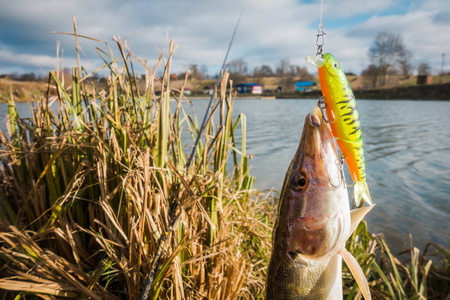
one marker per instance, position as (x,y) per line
(442,67)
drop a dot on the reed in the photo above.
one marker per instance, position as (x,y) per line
(407,275)
(86,191)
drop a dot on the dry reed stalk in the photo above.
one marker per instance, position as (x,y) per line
(98,178)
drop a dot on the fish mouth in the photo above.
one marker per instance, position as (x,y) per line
(316,61)
(317,140)
(315,119)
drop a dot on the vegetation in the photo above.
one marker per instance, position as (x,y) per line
(86,191)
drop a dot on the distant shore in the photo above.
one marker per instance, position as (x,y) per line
(438,92)
(417,92)
(31,91)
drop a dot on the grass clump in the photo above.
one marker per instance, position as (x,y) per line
(86,192)
(407,275)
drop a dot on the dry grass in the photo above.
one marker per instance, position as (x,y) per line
(21,91)
(87,191)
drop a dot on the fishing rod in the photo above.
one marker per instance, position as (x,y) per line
(149,281)
(202,127)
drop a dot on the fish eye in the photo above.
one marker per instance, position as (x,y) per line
(298,181)
(335,65)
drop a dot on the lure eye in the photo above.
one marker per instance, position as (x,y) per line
(298,181)
(335,65)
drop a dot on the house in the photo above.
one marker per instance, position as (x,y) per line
(249,88)
(208,90)
(304,86)
(424,79)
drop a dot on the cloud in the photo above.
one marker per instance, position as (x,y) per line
(269,31)
(421,34)
(442,17)
(29,62)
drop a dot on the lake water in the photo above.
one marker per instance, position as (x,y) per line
(407,151)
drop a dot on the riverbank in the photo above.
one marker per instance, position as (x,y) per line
(416,92)
(30,91)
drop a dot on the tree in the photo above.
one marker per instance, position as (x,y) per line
(283,68)
(263,71)
(194,72)
(371,72)
(204,71)
(27,77)
(403,62)
(238,67)
(385,54)
(238,70)
(302,72)
(424,69)
(286,72)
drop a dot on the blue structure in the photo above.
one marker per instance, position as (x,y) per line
(252,88)
(304,86)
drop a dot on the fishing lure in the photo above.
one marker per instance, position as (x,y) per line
(340,106)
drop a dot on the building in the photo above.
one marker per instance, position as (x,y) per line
(424,79)
(208,90)
(304,86)
(249,88)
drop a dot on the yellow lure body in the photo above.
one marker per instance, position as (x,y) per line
(346,127)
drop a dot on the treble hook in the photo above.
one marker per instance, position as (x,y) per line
(322,105)
(342,179)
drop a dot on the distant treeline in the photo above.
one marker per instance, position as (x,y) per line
(23,77)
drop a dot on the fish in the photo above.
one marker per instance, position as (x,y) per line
(346,126)
(313,223)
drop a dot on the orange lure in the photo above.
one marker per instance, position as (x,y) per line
(346,127)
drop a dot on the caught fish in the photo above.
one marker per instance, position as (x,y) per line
(313,223)
(341,106)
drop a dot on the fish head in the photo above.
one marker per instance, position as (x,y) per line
(314,219)
(327,65)
(332,66)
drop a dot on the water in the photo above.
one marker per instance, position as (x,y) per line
(407,151)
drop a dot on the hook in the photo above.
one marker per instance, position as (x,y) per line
(322,105)
(342,179)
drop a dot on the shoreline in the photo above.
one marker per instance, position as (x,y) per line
(434,92)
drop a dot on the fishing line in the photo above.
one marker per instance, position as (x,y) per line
(321,12)
(320,40)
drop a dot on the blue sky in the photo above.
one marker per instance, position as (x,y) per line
(269,31)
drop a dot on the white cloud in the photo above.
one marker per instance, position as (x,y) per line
(44,61)
(269,31)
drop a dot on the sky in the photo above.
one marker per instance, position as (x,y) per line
(269,31)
